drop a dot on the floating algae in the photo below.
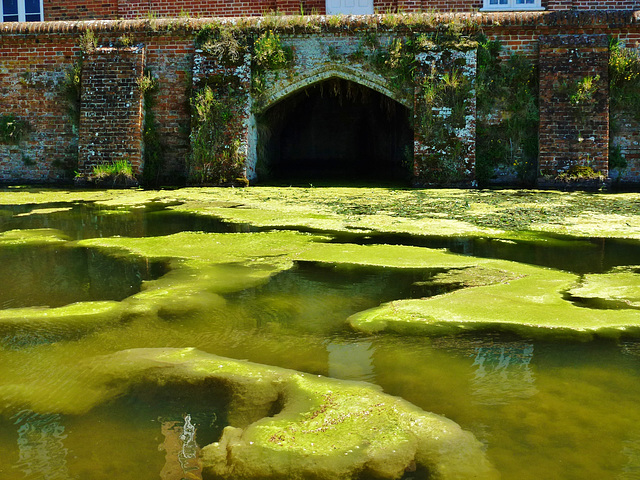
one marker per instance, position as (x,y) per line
(537,406)
(529,302)
(321,428)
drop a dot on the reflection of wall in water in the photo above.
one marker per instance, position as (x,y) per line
(503,373)
(351,360)
(182,461)
(631,450)
(42,454)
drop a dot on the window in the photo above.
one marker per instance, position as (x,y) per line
(350,7)
(21,11)
(502,5)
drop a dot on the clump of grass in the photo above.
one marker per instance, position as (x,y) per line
(88,42)
(580,172)
(118,172)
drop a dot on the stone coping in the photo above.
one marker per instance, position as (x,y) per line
(342,23)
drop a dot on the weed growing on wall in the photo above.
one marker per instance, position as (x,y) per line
(508,116)
(269,55)
(441,107)
(224,42)
(88,42)
(12,129)
(216,130)
(580,93)
(624,79)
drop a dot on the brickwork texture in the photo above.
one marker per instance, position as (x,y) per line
(36,60)
(127,9)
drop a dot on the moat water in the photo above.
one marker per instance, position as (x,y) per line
(543,409)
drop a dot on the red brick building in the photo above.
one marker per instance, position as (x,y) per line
(50,10)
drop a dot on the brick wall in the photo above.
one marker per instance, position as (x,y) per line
(127,9)
(169,59)
(111,113)
(35,59)
(31,76)
(80,10)
(573,132)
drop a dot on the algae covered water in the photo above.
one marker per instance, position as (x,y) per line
(526,335)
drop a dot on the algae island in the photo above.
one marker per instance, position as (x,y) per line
(308,332)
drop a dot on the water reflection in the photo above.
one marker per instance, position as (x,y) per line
(181,451)
(42,454)
(631,450)
(351,360)
(53,276)
(503,373)
(87,220)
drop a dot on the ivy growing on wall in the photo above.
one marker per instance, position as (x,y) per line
(12,129)
(216,130)
(508,116)
(153,158)
(624,94)
(442,94)
(269,55)
(218,104)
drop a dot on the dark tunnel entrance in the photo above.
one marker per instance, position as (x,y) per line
(335,131)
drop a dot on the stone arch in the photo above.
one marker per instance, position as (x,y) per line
(280,89)
(337,134)
(375,82)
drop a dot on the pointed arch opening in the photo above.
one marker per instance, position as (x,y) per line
(335,131)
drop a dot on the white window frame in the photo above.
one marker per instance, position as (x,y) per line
(22,15)
(331,9)
(511,6)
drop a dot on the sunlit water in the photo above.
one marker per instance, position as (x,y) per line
(543,410)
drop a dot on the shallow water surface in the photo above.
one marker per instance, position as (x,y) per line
(542,409)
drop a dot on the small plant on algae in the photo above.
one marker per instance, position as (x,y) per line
(118,172)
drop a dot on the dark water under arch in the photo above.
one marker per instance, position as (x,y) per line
(335,130)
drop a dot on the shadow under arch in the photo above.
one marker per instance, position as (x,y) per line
(336,129)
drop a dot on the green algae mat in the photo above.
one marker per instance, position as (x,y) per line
(319,333)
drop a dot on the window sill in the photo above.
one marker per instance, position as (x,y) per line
(513,9)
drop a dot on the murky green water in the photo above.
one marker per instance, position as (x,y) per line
(543,409)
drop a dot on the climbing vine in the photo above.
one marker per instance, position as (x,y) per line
(153,158)
(441,110)
(508,117)
(216,130)
(624,94)
(269,55)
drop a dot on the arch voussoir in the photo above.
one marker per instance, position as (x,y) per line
(282,90)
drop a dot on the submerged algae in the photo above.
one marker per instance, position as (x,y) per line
(322,428)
